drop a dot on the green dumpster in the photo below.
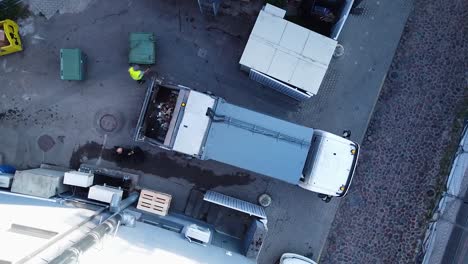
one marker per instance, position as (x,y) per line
(72,64)
(142,48)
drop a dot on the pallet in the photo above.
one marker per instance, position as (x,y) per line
(154,202)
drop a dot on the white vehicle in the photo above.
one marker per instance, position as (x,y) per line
(207,127)
(291,258)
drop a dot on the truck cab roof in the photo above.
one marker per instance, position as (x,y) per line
(330,164)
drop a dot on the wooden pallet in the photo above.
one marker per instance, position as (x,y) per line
(154,202)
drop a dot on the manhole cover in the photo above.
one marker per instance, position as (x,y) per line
(264,200)
(108,122)
(45,142)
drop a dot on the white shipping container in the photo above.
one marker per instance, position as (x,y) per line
(79,179)
(103,193)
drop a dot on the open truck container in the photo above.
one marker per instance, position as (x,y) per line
(177,118)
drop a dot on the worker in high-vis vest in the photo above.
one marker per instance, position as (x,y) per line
(137,74)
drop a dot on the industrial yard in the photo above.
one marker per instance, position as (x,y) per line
(108,130)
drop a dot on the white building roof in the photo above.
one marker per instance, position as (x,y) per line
(288,52)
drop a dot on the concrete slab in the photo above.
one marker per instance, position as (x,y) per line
(39,182)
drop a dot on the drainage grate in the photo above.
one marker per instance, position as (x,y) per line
(31,231)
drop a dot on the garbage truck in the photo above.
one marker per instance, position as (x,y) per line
(207,127)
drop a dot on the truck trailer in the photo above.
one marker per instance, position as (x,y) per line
(207,127)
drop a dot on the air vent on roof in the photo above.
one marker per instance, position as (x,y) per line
(31,231)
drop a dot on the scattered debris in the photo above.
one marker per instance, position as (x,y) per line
(161,115)
(202,53)
(5,68)
(26,26)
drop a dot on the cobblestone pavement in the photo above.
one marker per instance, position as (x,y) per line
(382,219)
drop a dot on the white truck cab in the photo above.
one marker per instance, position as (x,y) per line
(330,164)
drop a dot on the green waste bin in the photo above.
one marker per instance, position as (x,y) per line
(142,48)
(72,64)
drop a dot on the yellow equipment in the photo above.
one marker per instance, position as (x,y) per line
(10,41)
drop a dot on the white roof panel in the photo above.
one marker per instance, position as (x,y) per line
(319,48)
(308,76)
(282,66)
(258,54)
(294,38)
(274,10)
(269,27)
(194,124)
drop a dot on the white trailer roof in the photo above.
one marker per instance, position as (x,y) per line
(288,52)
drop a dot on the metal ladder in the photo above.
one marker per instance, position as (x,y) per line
(255,128)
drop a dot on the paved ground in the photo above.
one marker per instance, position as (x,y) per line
(197,52)
(383,218)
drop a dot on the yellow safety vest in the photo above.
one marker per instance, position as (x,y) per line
(136,75)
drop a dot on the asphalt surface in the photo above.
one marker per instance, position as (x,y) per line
(197,52)
(385,215)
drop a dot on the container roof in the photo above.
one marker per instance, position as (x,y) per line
(288,52)
(71,64)
(257,142)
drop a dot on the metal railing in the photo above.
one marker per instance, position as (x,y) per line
(256,129)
